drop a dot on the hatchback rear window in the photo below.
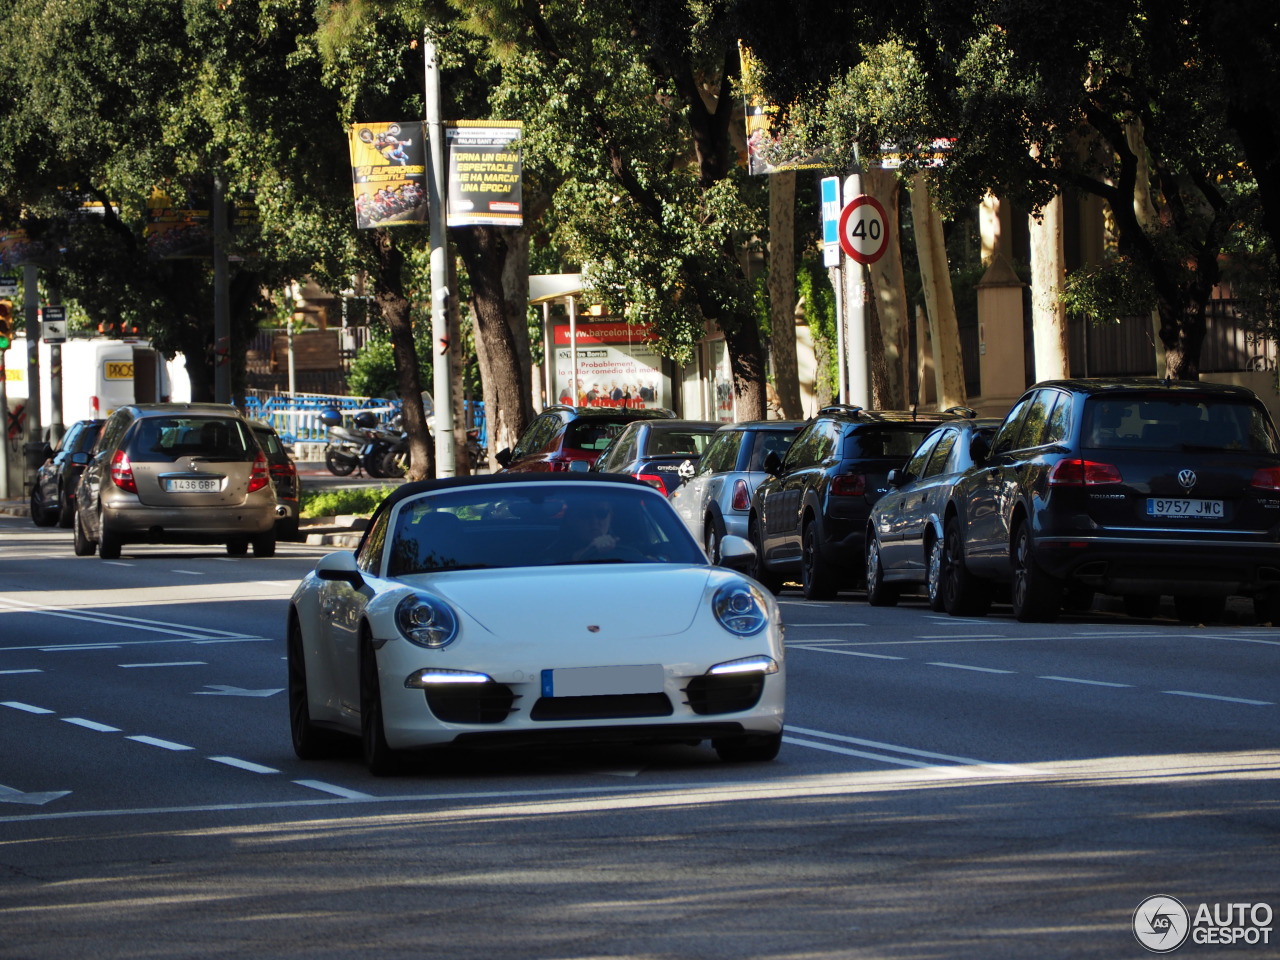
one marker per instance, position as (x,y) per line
(897,442)
(1147,422)
(166,439)
(591,434)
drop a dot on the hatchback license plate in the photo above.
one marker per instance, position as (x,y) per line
(602,681)
(192,485)
(1173,507)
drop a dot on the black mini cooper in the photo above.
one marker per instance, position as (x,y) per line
(1137,488)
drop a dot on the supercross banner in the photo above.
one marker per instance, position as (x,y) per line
(17,249)
(484,173)
(767,151)
(388,173)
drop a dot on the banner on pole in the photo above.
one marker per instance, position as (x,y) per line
(767,150)
(484,173)
(388,173)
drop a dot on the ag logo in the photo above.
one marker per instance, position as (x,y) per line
(1161,924)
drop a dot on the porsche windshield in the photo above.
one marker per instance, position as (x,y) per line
(493,526)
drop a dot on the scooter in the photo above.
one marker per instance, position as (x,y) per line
(349,450)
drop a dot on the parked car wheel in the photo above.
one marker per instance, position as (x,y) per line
(1199,609)
(817,578)
(66,509)
(108,543)
(39,515)
(1036,596)
(933,583)
(750,748)
(237,548)
(1266,607)
(879,593)
(84,547)
(713,532)
(1141,606)
(963,594)
(264,545)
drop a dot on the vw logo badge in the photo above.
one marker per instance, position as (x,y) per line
(1187,478)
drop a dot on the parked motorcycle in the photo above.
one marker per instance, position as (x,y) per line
(396,461)
(363,448)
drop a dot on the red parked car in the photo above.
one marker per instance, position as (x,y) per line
(562,434)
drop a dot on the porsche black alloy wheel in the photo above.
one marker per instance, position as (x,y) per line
(381,760)
(309,742)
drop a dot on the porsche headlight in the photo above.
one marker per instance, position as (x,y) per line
(740,609)
(426,621)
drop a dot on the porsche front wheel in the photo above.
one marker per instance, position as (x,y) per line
(748,748)
(309,742)
(381,760)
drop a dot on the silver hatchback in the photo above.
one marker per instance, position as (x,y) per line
(175,473)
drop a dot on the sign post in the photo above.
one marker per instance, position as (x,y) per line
(864,237)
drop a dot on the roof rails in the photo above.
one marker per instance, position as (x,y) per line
(967,412)
(848,409)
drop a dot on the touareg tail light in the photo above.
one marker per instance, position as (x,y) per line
(1266,478)
(122,472)
(653,480)
(259,476)
(1082,473)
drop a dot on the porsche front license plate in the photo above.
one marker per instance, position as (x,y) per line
(1172,507)
(602,681)
(192,485)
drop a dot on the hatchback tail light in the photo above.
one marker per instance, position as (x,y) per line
(1266,478)
(1080,473)
(849,485)
(259,476)
(122,472)
(741,496)
(559,466)
(653,480)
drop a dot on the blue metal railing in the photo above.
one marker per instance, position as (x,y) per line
(297,418)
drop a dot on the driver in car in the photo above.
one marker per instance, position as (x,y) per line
(585,533)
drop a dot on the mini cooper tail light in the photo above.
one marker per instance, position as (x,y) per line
(1266,478)
(849,485)
(759,664)
(122,472)
(741,496)
(653,480)
(426,621)
(740,609)
(1080,473)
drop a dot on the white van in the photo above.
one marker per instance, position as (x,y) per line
(98,376)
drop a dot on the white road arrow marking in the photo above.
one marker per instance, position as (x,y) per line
(10,795)
(222,690)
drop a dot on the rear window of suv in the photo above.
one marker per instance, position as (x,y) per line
(1152,422)
(898,442)
(166,439)
(591,433)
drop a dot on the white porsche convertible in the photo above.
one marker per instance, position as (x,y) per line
(514,608)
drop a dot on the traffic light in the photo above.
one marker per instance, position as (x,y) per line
(6,324)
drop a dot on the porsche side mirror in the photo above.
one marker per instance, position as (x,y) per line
(772,463)
(737,553)
(340,566)
(503,457)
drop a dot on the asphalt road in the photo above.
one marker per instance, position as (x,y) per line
(947,788)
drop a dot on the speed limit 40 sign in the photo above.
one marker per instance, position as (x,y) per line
(864,229)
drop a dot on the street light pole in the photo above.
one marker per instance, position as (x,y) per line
(446,464)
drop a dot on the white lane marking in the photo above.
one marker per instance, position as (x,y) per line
(81,647)
(24,670)
(222,690)
(114,619)
(336,791)
(233,640)
(1092,683)
(1270,643)
(1213,696)
(965,666)
(91,724)
(118,563)
(244,765)
(847,653)
(276,583)
(825,625)
(190,573)
(26,707)
(170,663)
(963,636)
(911,751)
(13,795)
(157,742)
(846,751)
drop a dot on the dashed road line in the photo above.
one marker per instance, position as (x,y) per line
(1091,683)
(244,764)
(22,670)
(846,653)
(335,790)
(1214,696)
(25,707)
(169,663)
(965,666)
(91,724)
(157,742)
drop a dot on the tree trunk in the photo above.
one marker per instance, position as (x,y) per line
(889,295)
(515,289)
(484,252)
(939,300)
(394,306)
(1048,276)
(746,364)
(782,292)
